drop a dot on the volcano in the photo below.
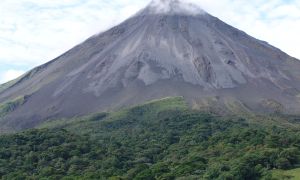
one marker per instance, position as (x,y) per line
(167,49)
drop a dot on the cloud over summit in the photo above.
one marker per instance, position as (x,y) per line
(175,7)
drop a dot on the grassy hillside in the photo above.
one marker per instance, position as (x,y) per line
(5,85)
(157,140)
(8,84)
(293,174)
(10,106)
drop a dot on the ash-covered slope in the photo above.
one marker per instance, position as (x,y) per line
(167,49)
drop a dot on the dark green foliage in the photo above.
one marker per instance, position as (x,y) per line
(150,142)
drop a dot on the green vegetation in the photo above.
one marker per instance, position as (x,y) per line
(293,174)
(158,140)
(9,84)
(5,85)
(273,106)
(10,106)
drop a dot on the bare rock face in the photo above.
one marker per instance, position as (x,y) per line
(167,49)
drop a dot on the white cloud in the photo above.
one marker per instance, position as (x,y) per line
(33,32)
(165,6)
(10,75)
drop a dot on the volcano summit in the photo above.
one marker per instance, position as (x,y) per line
(169,48)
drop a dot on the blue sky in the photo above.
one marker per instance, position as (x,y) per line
(33,32)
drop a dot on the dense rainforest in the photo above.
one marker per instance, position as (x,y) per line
(157,140)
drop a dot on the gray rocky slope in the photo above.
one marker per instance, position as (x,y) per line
(167,49)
